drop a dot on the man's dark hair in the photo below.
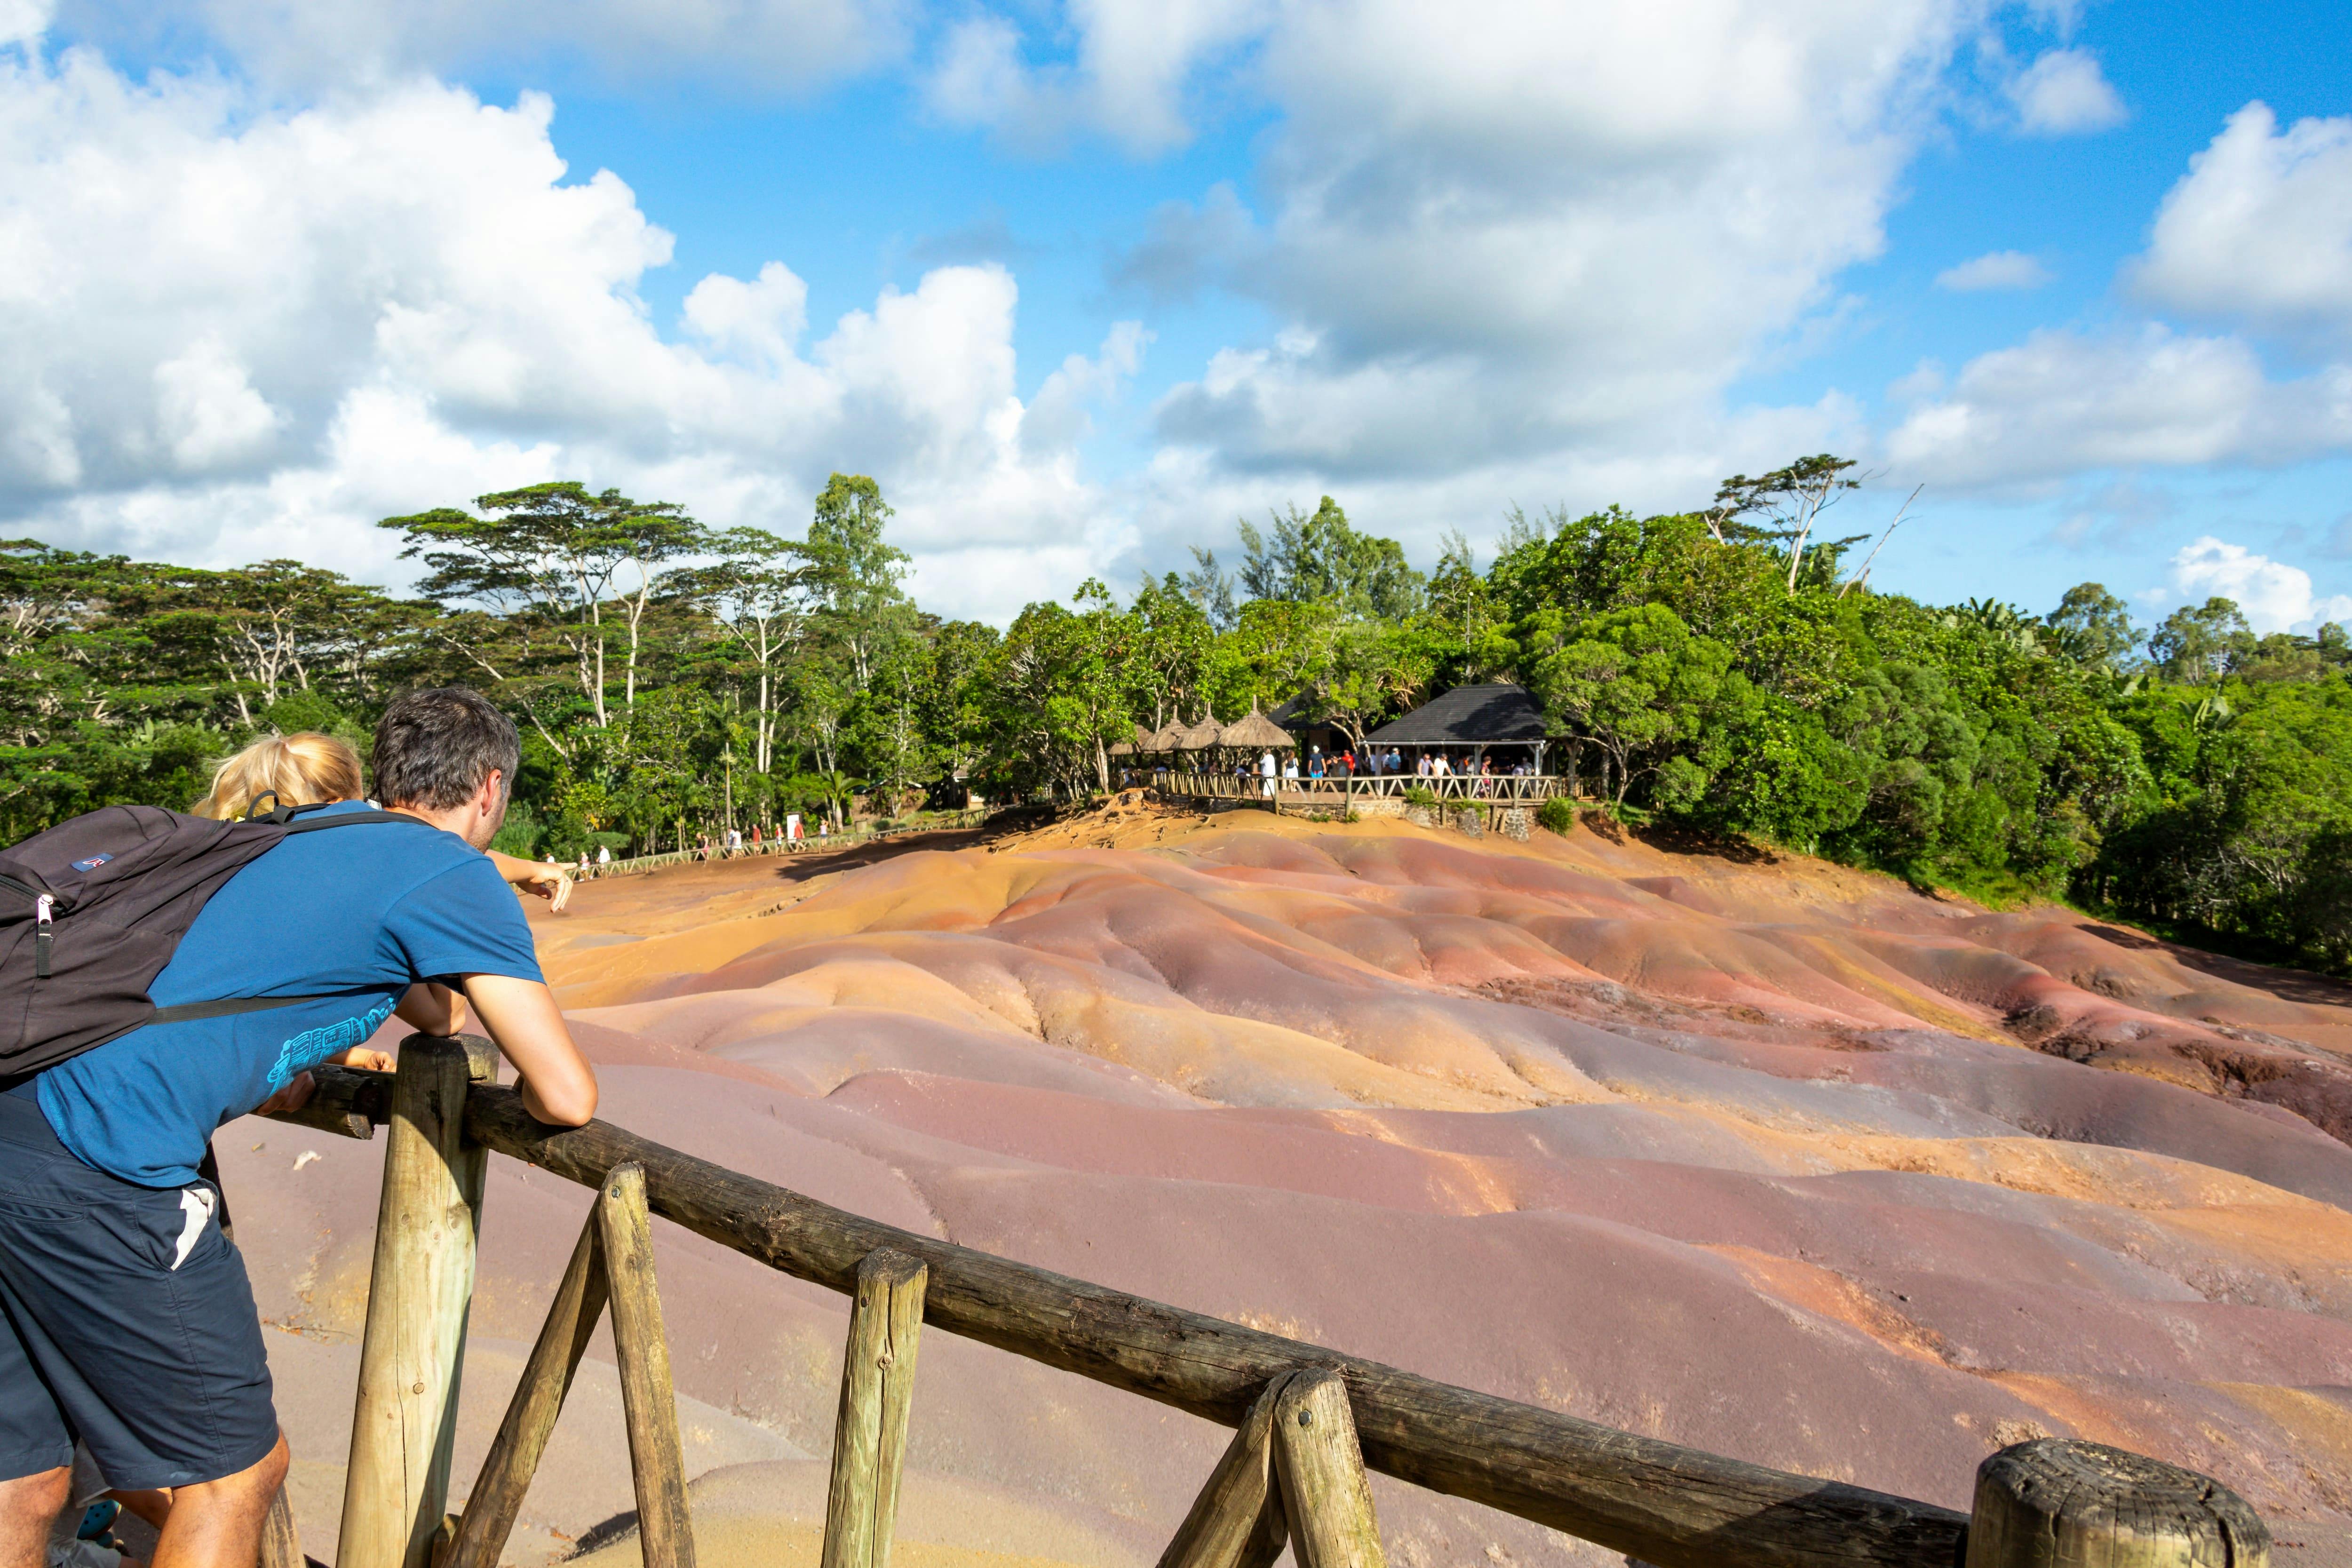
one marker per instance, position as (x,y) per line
(435,748)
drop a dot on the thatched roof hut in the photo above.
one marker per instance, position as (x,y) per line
(1142,742)
(1255,732)
(1202,736)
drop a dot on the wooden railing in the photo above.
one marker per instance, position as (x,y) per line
(1307,1419)
(636,865)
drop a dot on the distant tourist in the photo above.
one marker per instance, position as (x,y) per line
(1265,771)
(603,854)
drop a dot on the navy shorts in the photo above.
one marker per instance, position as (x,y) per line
(126,1320)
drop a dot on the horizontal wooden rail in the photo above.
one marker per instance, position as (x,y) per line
(1669,1505)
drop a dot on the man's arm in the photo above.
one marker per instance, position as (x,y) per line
(432,1007)
(558,1085)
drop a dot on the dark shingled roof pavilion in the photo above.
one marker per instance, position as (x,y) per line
(1493,715)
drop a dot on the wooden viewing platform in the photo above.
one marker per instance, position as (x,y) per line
(1307,1419)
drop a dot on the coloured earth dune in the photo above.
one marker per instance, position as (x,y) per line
(1780,1159)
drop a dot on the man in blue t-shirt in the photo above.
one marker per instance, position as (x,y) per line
(126,1319)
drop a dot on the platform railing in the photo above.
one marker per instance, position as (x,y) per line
(1449,790)
(1309,1419)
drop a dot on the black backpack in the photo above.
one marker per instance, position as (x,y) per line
(92,910)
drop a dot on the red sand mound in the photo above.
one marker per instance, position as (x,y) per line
(1773,1158)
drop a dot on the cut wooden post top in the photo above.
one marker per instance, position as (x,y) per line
(889,1268)
(2058,1502)
(481,1054)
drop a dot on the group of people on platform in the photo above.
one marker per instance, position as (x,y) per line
(1344,766)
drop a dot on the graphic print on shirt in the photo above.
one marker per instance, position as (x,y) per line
(311,1046)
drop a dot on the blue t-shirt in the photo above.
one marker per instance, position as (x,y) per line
(357,914)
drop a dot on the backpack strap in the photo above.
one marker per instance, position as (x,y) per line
(284,815)
(189,1011)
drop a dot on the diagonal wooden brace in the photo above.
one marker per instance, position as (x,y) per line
(1237,1521)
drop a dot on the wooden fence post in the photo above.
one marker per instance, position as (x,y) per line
(2059,1503)
(1236,1521)
(656,1460)
(497,1498)
(878,1389)
(405,1415)
(1325,1493)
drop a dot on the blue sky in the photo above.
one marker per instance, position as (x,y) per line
(1080,284)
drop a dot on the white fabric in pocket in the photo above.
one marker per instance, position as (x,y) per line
(196,1213)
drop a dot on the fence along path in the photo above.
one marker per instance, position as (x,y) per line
(1309,1419)
(810,843)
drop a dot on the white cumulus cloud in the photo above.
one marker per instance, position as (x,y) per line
(2066,93)
(1134,67)
(1545,244)
(2259,228)
(1999,269)
(233,331)
(752,46)
(2061,403)
(2275,596)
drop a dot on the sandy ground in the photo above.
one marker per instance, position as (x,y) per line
(1756,1154)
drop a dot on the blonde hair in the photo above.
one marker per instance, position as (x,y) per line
(304,769)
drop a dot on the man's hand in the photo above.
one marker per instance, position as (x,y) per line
(293,1097)
(549,882)
(558,1085)
(302,1084)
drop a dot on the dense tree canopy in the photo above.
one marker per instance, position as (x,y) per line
(1729,668)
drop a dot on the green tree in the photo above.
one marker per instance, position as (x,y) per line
(1649,695)
(1168,664)
(2093,628)
(1783,505)
(1311,558)
(2200,644)
(757,593)
(555,553)
(856,575)
(1059,701)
